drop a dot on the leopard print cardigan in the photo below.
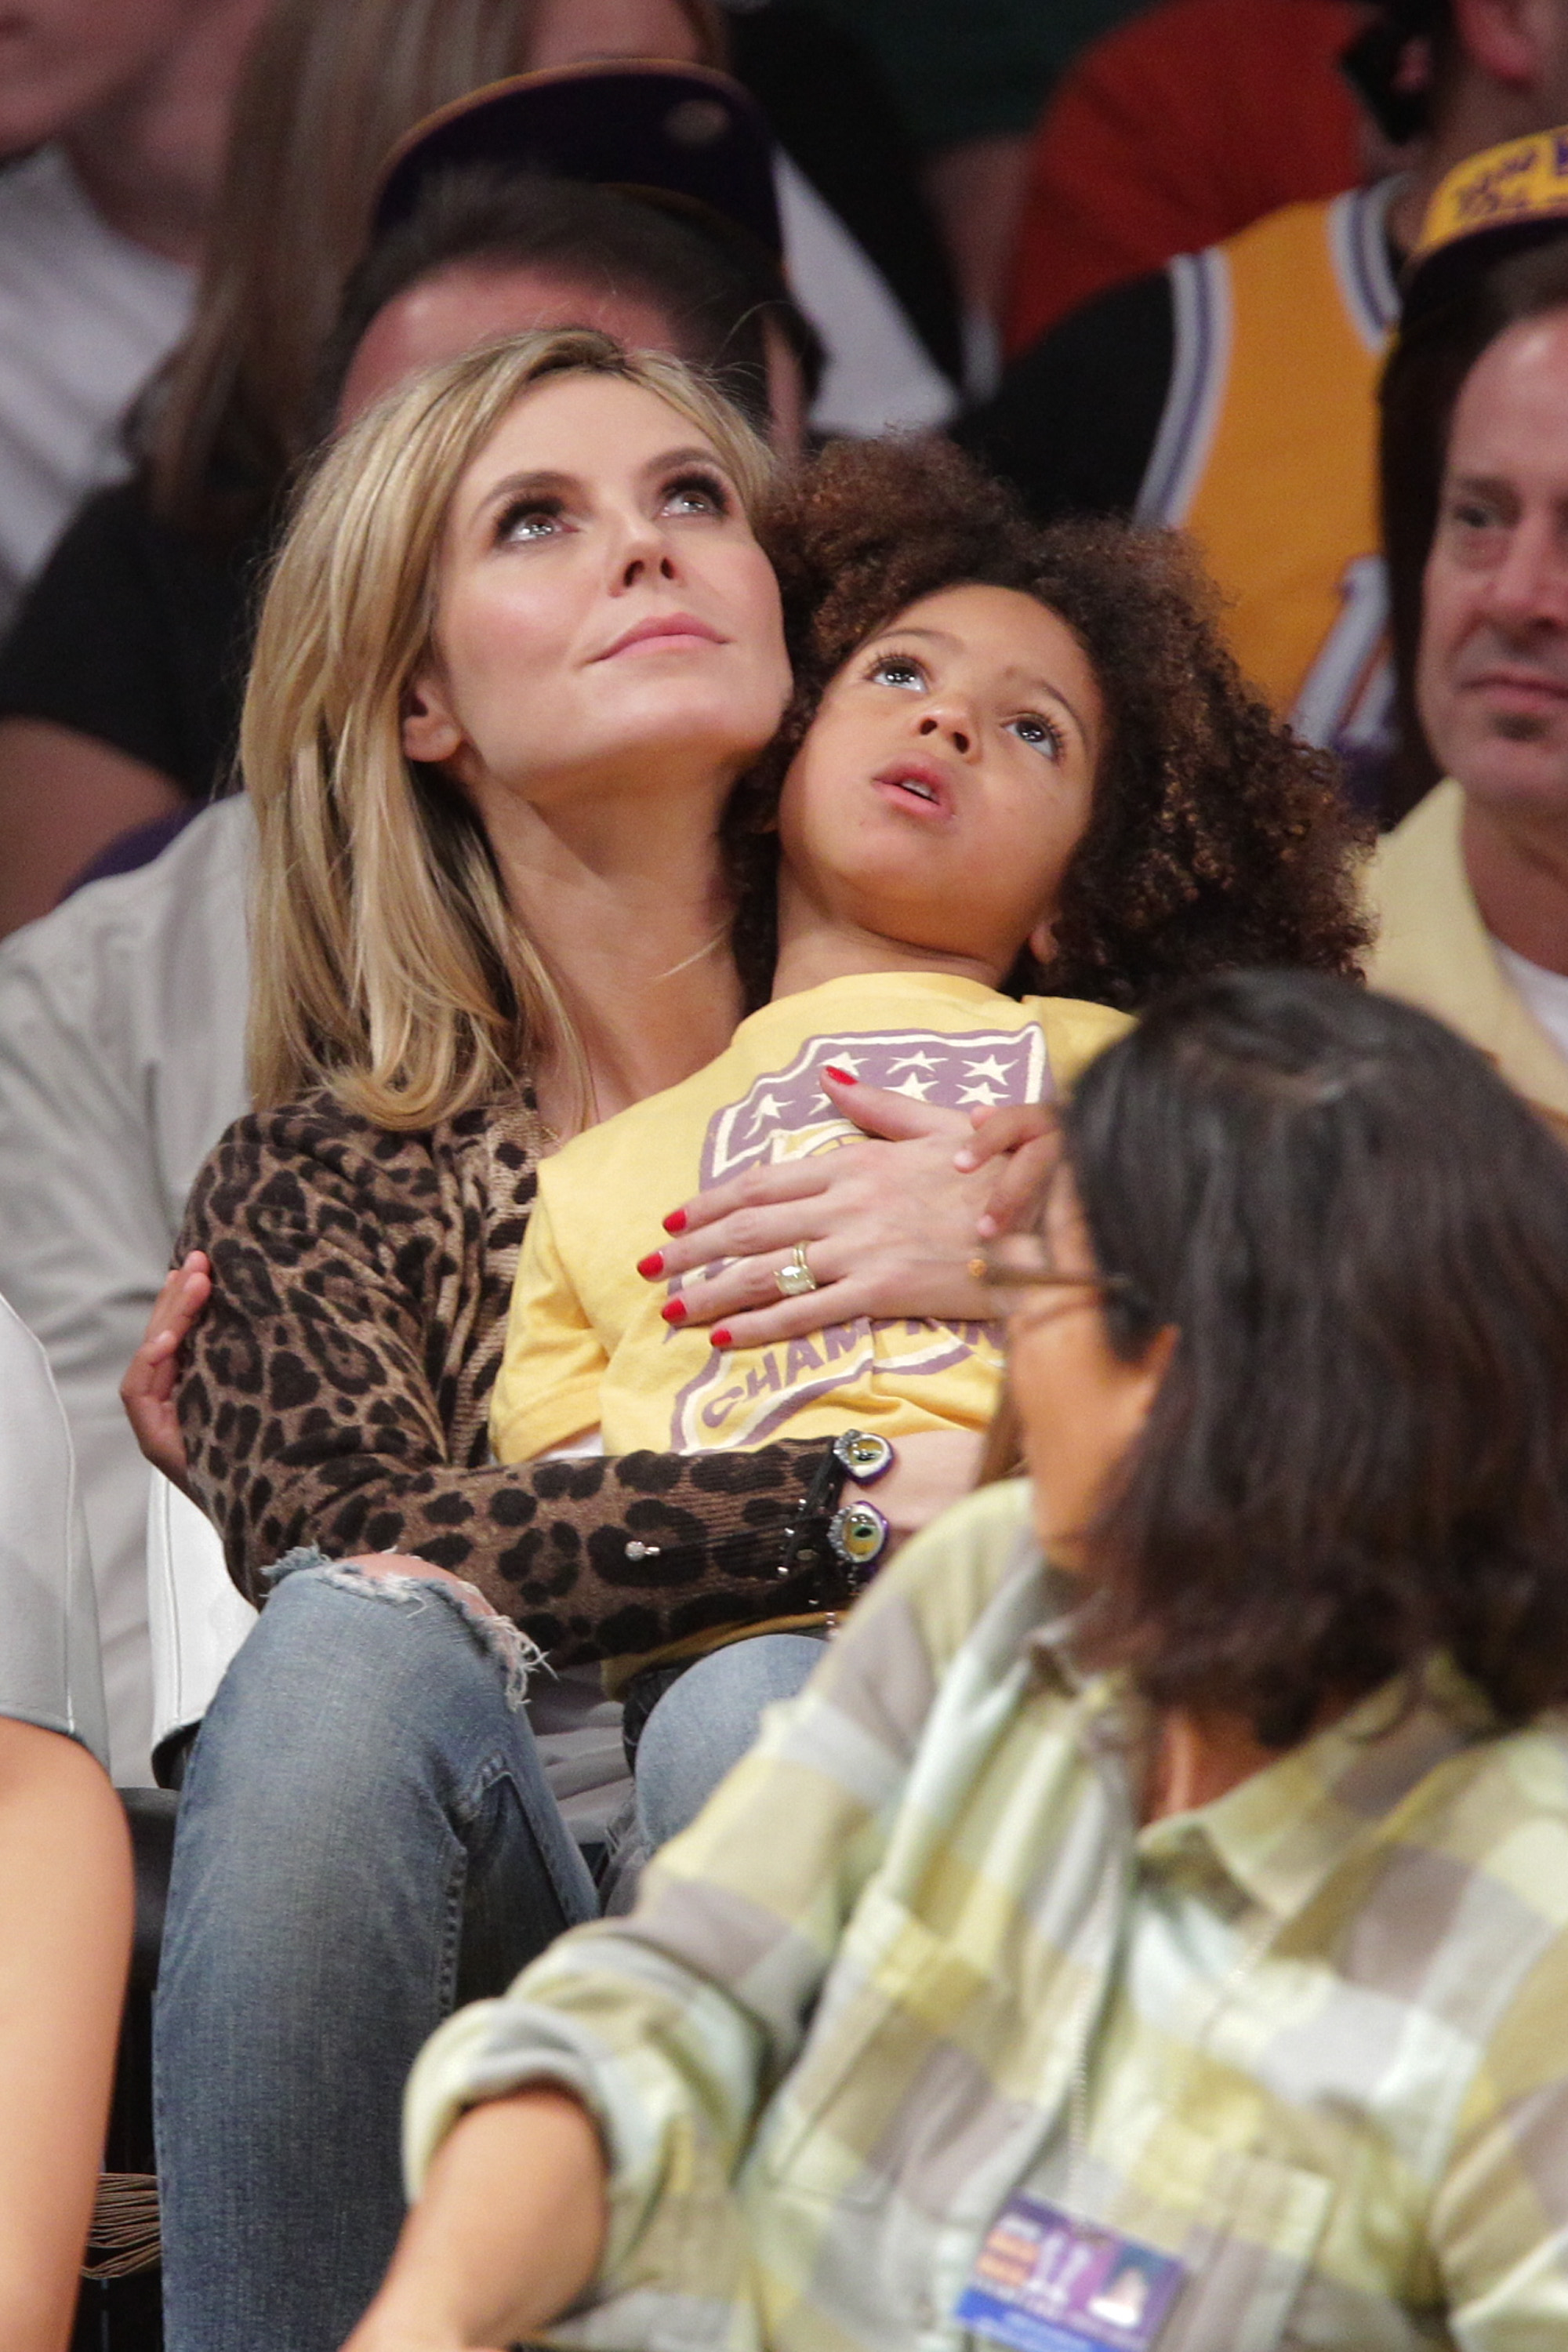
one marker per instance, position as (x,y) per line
(337,1387)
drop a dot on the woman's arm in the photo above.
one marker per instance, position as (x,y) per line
(508,2232)
(337,1387)
(65,1939)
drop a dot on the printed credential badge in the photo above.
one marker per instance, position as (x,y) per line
(1046,2282)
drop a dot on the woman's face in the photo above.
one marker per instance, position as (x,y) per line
(948,777)
(604,615)
(1079,1404)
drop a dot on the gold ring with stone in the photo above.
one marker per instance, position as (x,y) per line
(794,1278)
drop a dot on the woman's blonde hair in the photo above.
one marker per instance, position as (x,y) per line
(388,965)
(329,89)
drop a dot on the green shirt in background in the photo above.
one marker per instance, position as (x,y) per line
(960,69)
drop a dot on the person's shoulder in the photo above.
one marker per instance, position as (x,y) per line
(320,1136)
(196,885)
(1417,893)
(1282,227)
(1074,421)
(1499,1811)
(1076,1029)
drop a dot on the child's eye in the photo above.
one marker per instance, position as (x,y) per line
(697,493)
(1042,733)
(896,669)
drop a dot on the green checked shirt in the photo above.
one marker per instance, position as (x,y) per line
(918,1954)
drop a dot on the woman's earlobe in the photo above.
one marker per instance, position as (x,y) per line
(430,732)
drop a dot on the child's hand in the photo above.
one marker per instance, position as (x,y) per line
(1018,1142)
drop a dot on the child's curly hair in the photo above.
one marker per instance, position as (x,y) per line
(1216,841)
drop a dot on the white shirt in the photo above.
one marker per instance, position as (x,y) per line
(48,1627)
(1545,992)
(879,372)
(85,318)
(121,1063)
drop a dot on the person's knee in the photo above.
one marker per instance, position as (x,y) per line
(707,1720)
(345,1682)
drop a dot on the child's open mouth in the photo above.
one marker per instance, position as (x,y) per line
(916,785)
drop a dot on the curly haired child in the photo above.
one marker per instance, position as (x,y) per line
(1020,788)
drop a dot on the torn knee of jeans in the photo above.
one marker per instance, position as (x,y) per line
(515,1653)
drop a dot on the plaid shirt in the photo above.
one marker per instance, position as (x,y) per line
(1311,2038)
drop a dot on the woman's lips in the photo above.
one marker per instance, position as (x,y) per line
(918,786)
(670,632)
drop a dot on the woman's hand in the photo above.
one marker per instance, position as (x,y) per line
(147,1391)
(889,1225)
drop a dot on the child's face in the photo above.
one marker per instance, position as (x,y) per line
(948,778)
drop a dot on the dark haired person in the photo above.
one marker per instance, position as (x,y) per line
(1471,890)
(1166,1871)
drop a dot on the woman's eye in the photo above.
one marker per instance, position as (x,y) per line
(696,494)
(1043,734)
(530,519)
(896,669)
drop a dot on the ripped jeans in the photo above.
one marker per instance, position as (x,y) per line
(366,1837)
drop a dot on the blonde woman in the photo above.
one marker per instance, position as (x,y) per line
(518,644)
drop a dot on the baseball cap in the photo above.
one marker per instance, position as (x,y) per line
(1498,202)
(684,137)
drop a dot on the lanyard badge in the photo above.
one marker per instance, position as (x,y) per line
(1046,2281)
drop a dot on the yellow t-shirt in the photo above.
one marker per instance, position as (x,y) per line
(586,1346)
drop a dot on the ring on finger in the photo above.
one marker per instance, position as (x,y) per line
(795,1277)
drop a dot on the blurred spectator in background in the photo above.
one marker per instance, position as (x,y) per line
(844,148)
(1235,392)
(112,123)
(1472,888)
(1464,285)
(969,82)
(123,1013)
(88,742)
(1174,131)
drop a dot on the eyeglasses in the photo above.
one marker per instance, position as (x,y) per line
(1020,1263)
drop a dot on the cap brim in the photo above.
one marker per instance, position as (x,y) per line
(660,130)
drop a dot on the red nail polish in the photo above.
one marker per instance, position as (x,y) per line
(674,1311)
(845,1077)
(651,1264)
(720,1337)
(676,1222)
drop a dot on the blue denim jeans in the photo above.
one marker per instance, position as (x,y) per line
(705,1722)
(365,1839)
